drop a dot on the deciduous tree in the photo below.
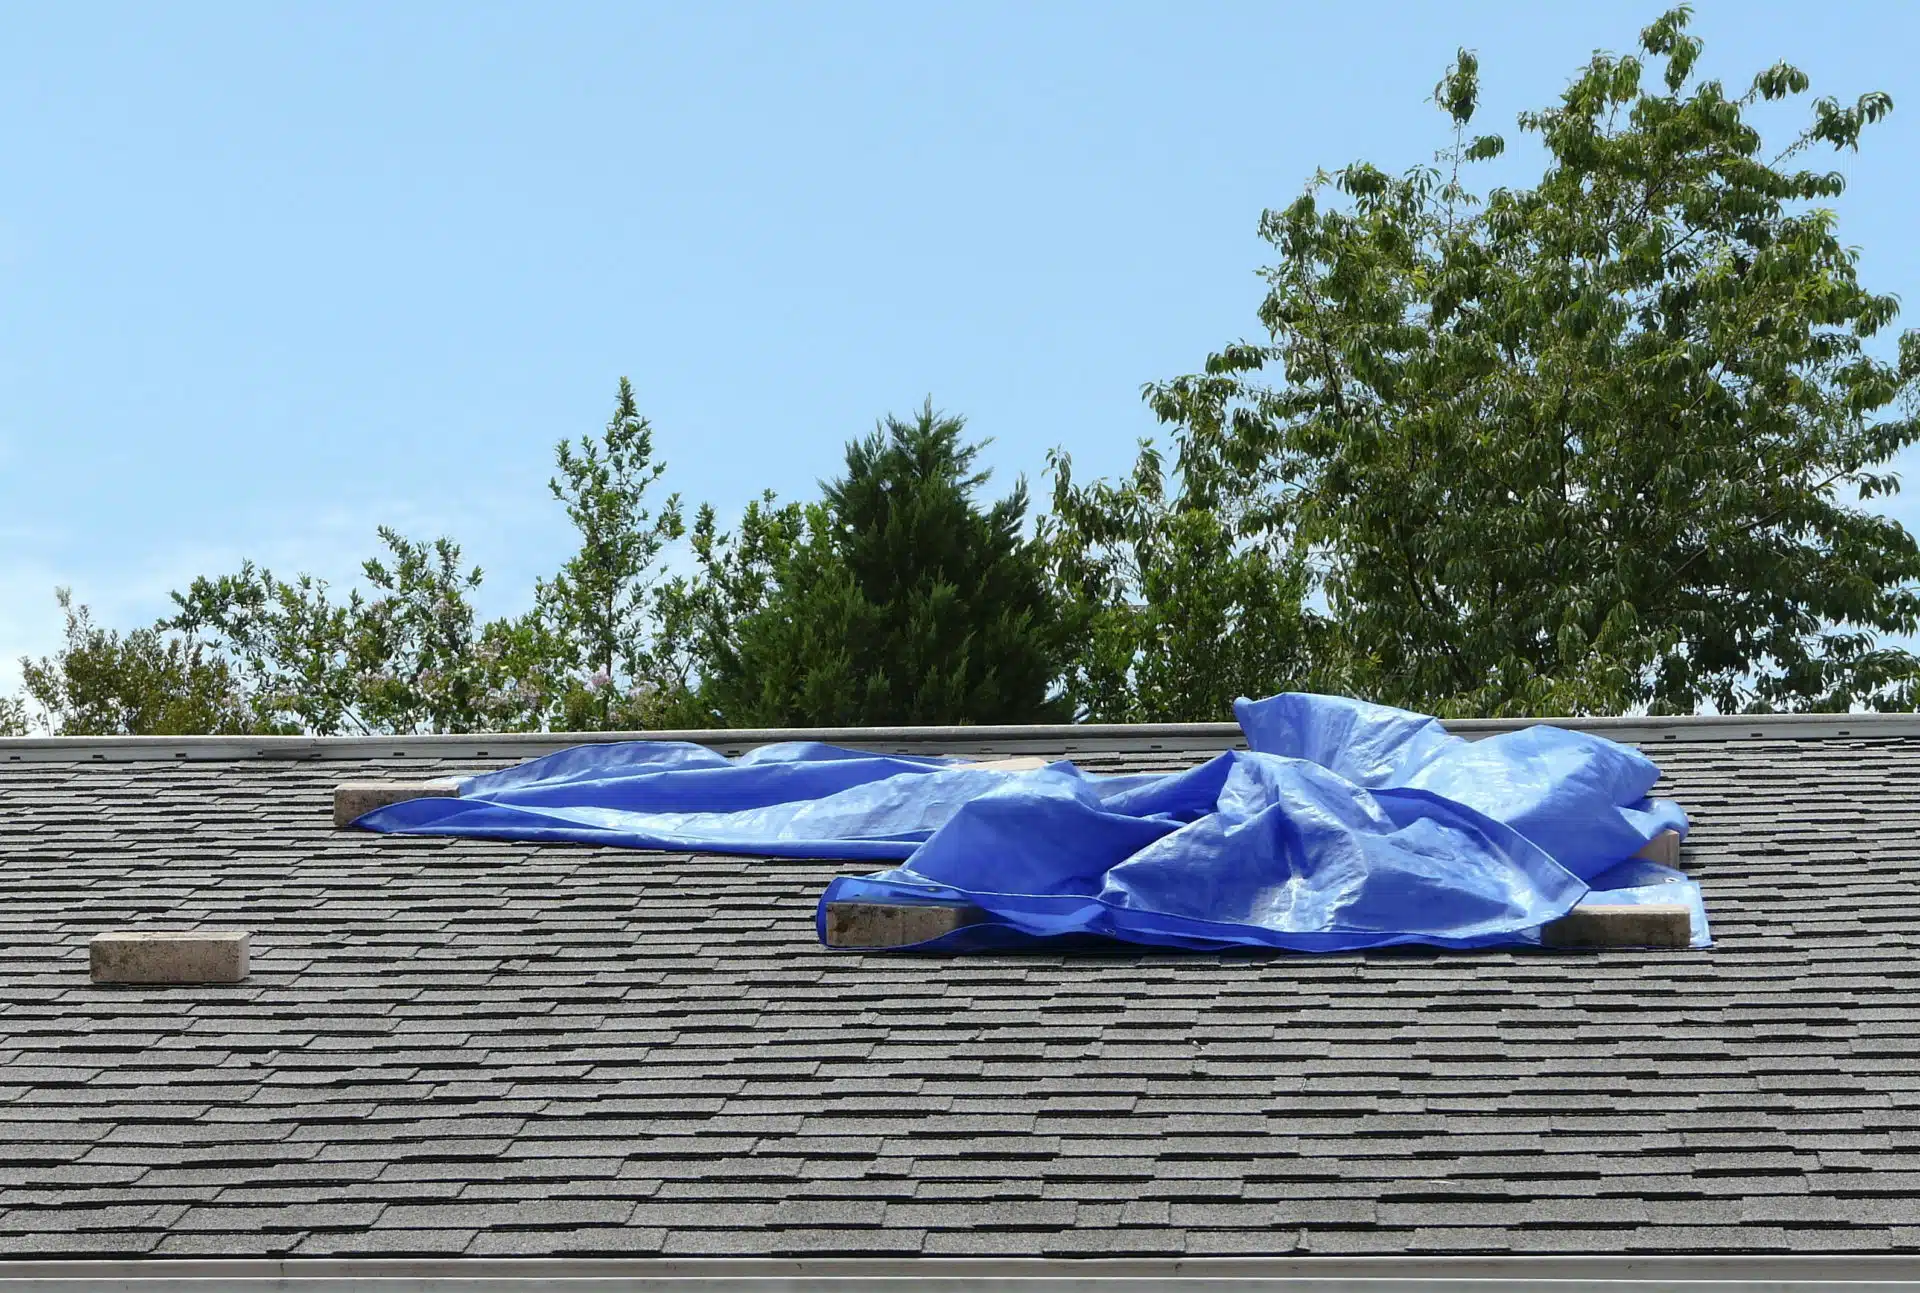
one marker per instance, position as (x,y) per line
(1594,443)
(600,609)
(1176,598)
(142,683)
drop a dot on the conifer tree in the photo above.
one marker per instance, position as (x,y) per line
(897,599)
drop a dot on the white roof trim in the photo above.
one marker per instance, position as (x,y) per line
(1067,739)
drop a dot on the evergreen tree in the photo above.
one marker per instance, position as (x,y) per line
(897,599)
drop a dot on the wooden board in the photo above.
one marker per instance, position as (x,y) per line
(879,925)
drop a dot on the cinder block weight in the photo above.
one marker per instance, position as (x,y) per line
(355,798)
(894,924)
(168,956)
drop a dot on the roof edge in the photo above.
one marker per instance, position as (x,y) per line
(1728,1271)
(1069,738)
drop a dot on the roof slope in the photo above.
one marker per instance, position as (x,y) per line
(467,1047)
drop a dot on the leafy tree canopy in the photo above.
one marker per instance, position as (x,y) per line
(404,657)
(1591,444)
(409,654)
(601,609)
(145,683)
(1176,598)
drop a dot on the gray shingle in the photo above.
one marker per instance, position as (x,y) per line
(534,1212)
(382,1242)
(245,1219)
(634,1241)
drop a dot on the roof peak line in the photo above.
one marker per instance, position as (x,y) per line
(1060,739)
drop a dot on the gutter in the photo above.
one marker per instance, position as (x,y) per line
(1511,1274)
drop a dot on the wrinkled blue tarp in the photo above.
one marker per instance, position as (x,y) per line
(1347,826)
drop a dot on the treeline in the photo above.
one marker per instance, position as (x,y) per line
(1593,445)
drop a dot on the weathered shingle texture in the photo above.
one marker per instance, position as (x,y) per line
(463,1047)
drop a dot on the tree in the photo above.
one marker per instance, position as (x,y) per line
(413,648)
(895,599)
(409,653)
(1177,602)
(599,608)
(1593,444)
(286,641)
(408,658)
(737,573)
(145,683)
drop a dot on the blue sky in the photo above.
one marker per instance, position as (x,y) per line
(273,274)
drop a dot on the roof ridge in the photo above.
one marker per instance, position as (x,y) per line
(1065,739)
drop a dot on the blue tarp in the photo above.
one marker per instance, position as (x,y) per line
(1345,826)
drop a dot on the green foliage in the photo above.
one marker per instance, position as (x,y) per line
(285,641)
(1593,444)
(413,648)
(145,683)
(408,658)
(1175,603)
(700,615)
(409,654)
(599,612)
(896,599)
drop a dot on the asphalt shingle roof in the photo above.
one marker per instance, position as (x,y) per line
(495,1049)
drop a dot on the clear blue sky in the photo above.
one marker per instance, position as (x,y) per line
(272,274)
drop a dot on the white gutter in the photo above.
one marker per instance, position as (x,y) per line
(1531,1274)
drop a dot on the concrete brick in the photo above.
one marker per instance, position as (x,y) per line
(353,799)
(168,956)
(882,924)
(1014,763)
(1654,924)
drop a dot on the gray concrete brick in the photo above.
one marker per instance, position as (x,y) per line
(355,799)
(168,956)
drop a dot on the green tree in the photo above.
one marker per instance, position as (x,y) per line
(414,648)
(600,610)
(409,656)
(408,653)
(895,599)
(143,683)
(737,573)
(1176,601)
(1595,443)
(286,640)
(603,646)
